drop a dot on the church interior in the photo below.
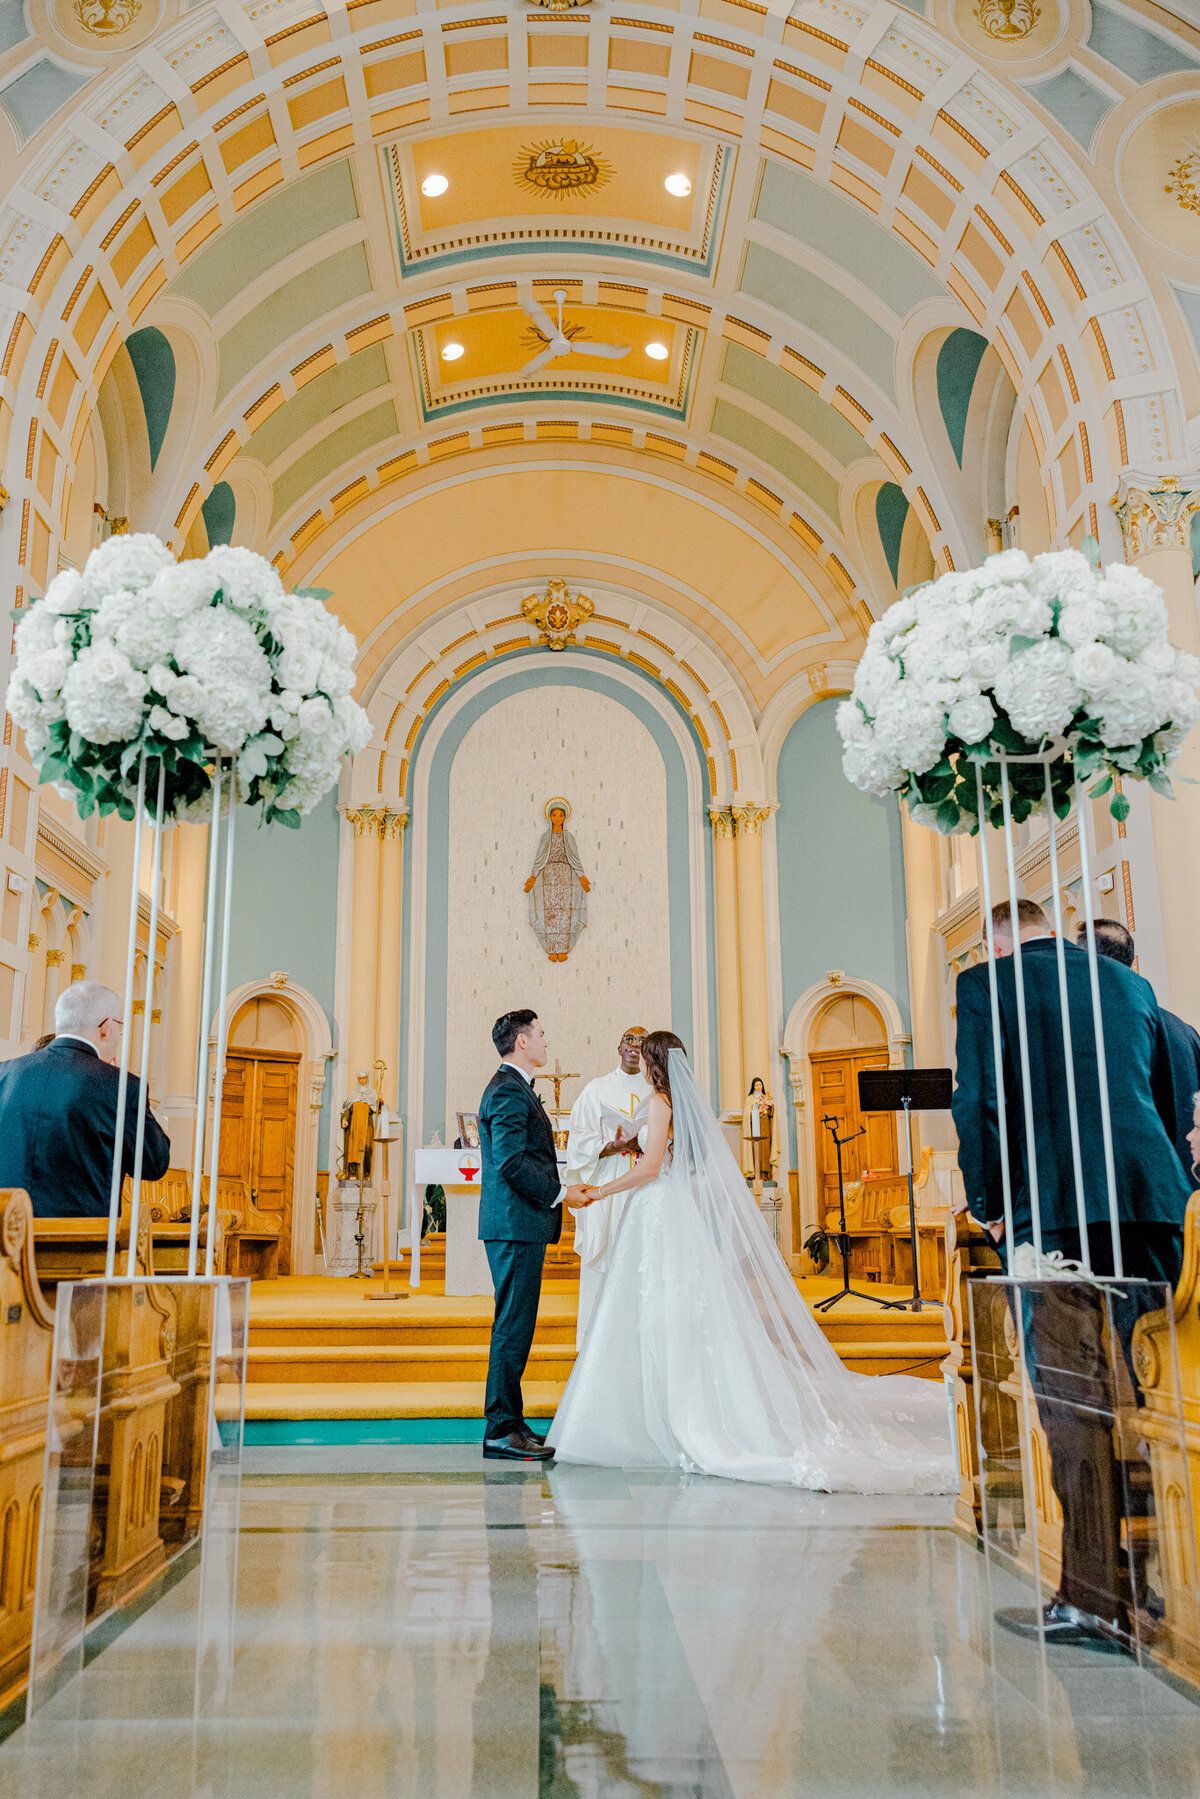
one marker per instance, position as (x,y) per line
(611,370)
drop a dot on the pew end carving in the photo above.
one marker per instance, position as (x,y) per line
(26,1350)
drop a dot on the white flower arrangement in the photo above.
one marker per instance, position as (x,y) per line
(1012,658)
(189,662)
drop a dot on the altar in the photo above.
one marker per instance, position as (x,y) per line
(457,1173)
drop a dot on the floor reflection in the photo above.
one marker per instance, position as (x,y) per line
(412,1625)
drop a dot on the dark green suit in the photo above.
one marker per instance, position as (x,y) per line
(518,1216)
(1151,1186)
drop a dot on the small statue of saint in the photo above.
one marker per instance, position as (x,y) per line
(759,1154)
(558,887)
(358,1131)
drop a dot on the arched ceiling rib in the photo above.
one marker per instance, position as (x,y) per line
(250,180)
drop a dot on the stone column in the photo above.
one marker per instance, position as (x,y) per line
(387,1006)
(749,818)
(364,941)
(729,995)
(1156,519)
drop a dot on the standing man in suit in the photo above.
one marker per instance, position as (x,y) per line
(1183,1041)
(1065,1321)
(520,1211)
(58,1112)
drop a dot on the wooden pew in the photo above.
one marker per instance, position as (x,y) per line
(1172,1392)
(26,1347)
(970,1251)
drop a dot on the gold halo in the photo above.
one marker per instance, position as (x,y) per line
(558,800)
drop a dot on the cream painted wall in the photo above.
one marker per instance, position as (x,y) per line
(555,740)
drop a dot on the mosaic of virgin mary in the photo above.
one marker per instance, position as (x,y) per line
(558,887)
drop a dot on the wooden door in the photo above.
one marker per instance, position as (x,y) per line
(835,1092)
(258,1132)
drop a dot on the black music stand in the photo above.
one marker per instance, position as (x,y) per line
(843,1241)
(907,1090)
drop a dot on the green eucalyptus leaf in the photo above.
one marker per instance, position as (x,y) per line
(1161,783)
(1100,787)
(1017,643)
(1118,805)
(1091,549)
(947,816)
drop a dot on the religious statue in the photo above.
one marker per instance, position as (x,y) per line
(358,1130)
(558,887)
(759,1153)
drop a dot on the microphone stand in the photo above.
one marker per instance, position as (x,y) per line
(843,1241)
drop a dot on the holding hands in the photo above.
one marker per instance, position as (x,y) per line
(582,1194)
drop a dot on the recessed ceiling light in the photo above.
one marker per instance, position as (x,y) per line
(677,184)
(433,185)
(657,352)
(451,352)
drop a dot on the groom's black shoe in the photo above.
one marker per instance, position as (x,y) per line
(1066,1624)
(517,1446)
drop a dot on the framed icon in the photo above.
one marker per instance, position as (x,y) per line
(468,1129)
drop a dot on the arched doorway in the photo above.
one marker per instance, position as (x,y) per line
(847,1036)
(279,1048)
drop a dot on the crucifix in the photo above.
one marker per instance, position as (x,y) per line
(558,1076)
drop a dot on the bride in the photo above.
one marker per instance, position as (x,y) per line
(702,1355)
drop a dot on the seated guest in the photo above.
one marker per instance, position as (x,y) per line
(1066,1341)
(58,1112)
(1183,1042)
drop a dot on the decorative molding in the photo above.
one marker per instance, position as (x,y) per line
(53,839)
(156,1015)
(55,958)
(279,977)
(556,615)
(391,823)
(79,971)
(1155,511)
(35,942)
(722,821)
(361,819)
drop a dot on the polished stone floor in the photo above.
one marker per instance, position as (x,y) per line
(414,1624)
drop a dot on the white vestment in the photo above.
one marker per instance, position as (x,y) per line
(591,1128)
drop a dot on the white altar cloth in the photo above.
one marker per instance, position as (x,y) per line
(467,1272)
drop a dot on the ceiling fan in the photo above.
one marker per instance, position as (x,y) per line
(559,343)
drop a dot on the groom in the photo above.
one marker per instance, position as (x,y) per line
(520,1211)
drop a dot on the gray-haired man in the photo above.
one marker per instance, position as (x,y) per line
(58,1111)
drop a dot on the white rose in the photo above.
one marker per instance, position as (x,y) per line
(299,667)
(167,724)
(186,696)
(161,678)
(987,660)
(68,592)
(46,670)
(315,719)
(1094,665)
(971,719)
(184,587)
(1082,621)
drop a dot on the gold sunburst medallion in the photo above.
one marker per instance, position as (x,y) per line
(561,169)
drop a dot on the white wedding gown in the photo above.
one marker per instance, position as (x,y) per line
(702,1356)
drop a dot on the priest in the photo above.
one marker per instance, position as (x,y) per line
(599,1136)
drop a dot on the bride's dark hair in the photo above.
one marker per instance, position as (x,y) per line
(656,1053)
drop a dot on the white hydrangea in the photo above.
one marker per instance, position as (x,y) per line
(141,628)
(103,694)
(126,562)
(232,677)
(247,580)
(1038,690)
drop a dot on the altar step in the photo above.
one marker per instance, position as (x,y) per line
(324,1361)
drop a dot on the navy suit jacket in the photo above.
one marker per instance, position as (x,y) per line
(1151,1186)
(519,1182)
(1183,1046)
(58,1116)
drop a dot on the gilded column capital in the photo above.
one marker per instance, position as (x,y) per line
(1155,511)
(362,819)
(391,824)
(721,818)
(750,817)
(55,958)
